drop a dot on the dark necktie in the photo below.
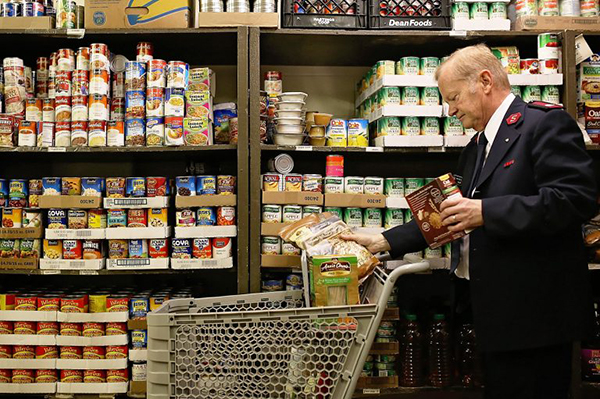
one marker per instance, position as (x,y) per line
(457,244)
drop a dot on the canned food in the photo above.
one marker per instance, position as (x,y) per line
(71,376)
(175,102)
(157,217)
(135,187)
(115,376)
(293,182)
(497,10)
(139,308)
(24,327)
(388,126)
(33,112)
(428,65)
(77,219)
(308,209)
(271,214)
(185,185)
(138,371)
(548,8)
(430,126)
(430,96)
(549,66)
(46,352)
(393,218)
(335,211)
(272,182)
(272,285)
(116,328)
(155,131)
(71,186)
(312,183)
(221,248)
(289,249)
(12,217)
(138,249)
(408,66)
(394,187)
(548,43)
(22,376)
(202,248)
(26,303)
(72,249)
(6,327)
(225,185)
(53,249)
(30,248)
(411,126)
(137,218)
(74,303)
(62,83)
(206,216)
(334,185)
(71,329)
(9,248)
(177,74)
(291,213)
(209,185)
(353,217)
(45,376)
(373,185)
(94,376)
(479,11)
(551,94)
(185,218)
(181,248)
(460,10)
(117,303)
(412,184)
(354,185)
(117,218)
(49,303)
(135,76)
(454,127)
(71,352)
(92,249)
(115,187)
(157,76)
(532,93)
(372,218)
(271,245)
(225,216)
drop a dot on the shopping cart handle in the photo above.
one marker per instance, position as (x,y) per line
(410,268)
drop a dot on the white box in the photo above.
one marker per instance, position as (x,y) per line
(205,231)
(16,315)
(457,141)
(137,264)
(28,388)
(37,340)
(105,317)
(406,110)
(481,25)
(409,141)
(555,79)
(37,364)
(75,234)
(136,233)
(138,355)
(92,388)
(202,263)
(71,264)
(95,364)
(121,339)
(396,202)
(141,202)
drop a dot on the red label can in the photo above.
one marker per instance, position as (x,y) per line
(47,328)
(72,249)
(26,302)
(137,218)
(71,329)
(48,304)
(71,352)
(202,248)
(117,304)
(23,352)
(156,186)
(23,376)
(116,328)
(94,352)
(5,376)
(24,328)
(116,352)
(6,351)
(82,59)
(93,329)
(145,52)
(62,83)
(158,248)
(117,375)
(81,83)
(46,352)
(45,376)
(6,327)
(73,376)
(94,376)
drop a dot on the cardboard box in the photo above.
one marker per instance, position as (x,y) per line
(205,200)
(396,202)
(21,232)
(205,231)
(229,19)
(17,315)
(109,340)
(553,24)
(69,201)
(225,263)
(137,324)
(105,317)
(285,261)
(18,23)
(138,14)
(409,141)
(71,264)
(37,340)
(481,25)
(75,234)
(18,263)
(292,197)
(38,364)
(272,229)
(355,200)
(28,388)
(377,382)
(91,388)
(138,355)
(141,202)
(136,233)
(95,364)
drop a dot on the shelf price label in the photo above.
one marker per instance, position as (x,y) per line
(133,262)
(371,391)
(129,201)
(57,149)
(304,148)
(374,149)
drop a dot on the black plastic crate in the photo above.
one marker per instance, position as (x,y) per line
(327,14)
(410,14)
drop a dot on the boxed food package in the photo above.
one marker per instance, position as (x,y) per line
(592,120)
(588,75)
(222,114)
(425,205)
(8,124)
(140,14)
(334,280)
(509,57)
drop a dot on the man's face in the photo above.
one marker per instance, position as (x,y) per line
(465,100)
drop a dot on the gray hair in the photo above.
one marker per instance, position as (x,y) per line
(467,63)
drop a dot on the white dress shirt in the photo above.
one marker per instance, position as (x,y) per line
(491,130)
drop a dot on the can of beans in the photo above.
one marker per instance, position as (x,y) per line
(23,352)
(75,303)
(94,376)
(23,376)
(46,352)
(47,328)
(139,307)
(156,186)
(206,216)
(72,249)
(225,216)
(45,376)
(116,218)
(94,352)
(222,248)
(117,303)
(202,248)
(114,328)
(71,329)
(136,187)
(181,248)
(71,376)
(5,376)
(93,329)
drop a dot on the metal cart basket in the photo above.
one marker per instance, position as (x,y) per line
(264,345)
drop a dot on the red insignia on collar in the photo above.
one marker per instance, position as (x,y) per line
(512,161)
(514,118)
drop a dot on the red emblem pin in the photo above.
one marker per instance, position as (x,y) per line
(506,165)
(514,118)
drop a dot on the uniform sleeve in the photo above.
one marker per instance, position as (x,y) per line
(565,179)
(405,239)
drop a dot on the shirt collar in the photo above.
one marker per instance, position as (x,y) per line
(492,127)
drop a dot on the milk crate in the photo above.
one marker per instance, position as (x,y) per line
(327,14)
(410,14)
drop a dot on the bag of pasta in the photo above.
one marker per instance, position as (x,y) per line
(319,234)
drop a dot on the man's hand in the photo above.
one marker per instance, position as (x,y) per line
(373,242)
(461,214)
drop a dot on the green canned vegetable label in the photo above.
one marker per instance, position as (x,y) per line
(412,184)
(429,65)
(453,126)
(410,96)
(385,68)
(335,211)
(479,11)
(532,93)
(428,180)
(516,90)
(353,217)
(411,126)
(394,187)
(388,96)
(497,11)
(292,213)
(372,218)
(393,218)
(408,66)
(551,94)
(389,126)
(430,126)
(311,209)
(430,96)
(460,10)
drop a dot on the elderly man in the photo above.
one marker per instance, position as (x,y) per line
(527,185)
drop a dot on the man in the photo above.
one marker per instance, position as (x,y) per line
(527,185)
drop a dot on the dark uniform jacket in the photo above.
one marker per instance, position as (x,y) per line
(528,269)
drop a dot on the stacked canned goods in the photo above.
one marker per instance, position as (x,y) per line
(28,8)
(479,11)
(188,186)
(567,8)
(275,282)
(69,14)
(201,248)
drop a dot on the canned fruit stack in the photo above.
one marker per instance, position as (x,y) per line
(552,8)
(273,245)
(407,126)
(274,282)
(94,98)
(479,11)
(201,248)
(549,51)
(69,14)
(37,8)
(549,94)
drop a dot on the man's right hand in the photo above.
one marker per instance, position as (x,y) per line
(373,242)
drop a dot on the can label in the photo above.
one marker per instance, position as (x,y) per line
(551,94)
(24,327)
(271,213)
(46,352)
(291,213)
(460,10)
(372,218)
(6,327)
(202,248)
(26,303)
(117,304)
(354,185)
(94,352)
(393,218)
(226,216)
(412,184)
(548,43)
(71,376)
(430,96)
(116,352)
(411,126)
(389,126)
(48,304)
(453,126)
(222,248)
(97,303)
(139,308)
(138,249)
(334,185)
(92,329)
(271,245)
(71,329)
(206,216)
(185,218)
(94,376)
(373,185)
(22,376)
(353,217)
(181,248)
(75,303)
(388,96)
(116,329)
(71,352)
(137,218)
(532,93)
(206,185)
(394,187)
(117,376)
(428,65)
(408,66)
(497,10)
(45,376)
(47,328)
(430,126)
(479,11)
(72,249)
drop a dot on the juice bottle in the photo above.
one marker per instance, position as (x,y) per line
(411,353)
(440,355)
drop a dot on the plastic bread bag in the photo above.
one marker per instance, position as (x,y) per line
(336,245)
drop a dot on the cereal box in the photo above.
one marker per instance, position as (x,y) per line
(589,79)
(334,280)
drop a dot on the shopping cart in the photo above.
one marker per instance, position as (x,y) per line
(264,345)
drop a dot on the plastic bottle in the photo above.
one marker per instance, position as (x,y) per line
(469,368)
(411,353)
(440,355)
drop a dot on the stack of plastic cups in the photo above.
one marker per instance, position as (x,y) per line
(211,6)
(238,6)
(265,6)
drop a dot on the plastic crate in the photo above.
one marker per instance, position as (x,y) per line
(410,14)
(327,14)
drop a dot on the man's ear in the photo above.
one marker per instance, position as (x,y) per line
(486,80)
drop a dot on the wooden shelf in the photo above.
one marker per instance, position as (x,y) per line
(117,149)
(416,150)
(102,272)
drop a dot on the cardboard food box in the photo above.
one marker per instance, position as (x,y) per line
(69,201)
(231,19)
(541,23)
(292,197)
(14,23)
(138,14)
(355,200)
(284,261)
(588,78)
(334,280)
(425,205)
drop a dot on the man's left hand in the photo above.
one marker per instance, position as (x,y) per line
(461,214)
